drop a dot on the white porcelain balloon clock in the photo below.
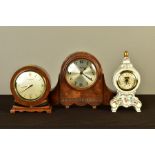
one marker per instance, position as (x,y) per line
(126,80)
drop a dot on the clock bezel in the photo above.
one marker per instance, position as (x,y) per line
(77,56)
(78,88)
(117,75)
(25,102)
(135,82)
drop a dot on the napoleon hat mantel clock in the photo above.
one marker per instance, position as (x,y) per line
(81,82)
(30,87)
(126,80)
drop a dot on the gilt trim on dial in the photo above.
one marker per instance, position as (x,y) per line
(122,84)
(127,80)
(30,86)
(81,74)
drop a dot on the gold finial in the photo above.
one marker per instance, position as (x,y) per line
(126,54)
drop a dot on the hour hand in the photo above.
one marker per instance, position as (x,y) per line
(126,80)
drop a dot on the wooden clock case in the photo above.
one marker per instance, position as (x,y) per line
(40,105)
(64,94)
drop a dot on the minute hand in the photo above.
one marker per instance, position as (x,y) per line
(27,88)
(87,77)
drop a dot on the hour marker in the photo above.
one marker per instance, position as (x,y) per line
(80,84)
(30,96)
(81,73)
(81,61)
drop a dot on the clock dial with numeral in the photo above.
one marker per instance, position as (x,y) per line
(127,81)
(81,74)
(81,82)
(30,85)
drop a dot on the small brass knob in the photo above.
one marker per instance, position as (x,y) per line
(126,54)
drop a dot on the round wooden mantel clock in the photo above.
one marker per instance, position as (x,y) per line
(30,87)
(81,82)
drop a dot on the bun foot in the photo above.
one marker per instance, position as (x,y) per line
(67,107)
(94,107)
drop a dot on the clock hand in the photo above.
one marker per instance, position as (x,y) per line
(84,69)
(126,80)
(87,77)
(24,87)
(27,88)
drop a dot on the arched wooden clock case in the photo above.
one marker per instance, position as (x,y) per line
(38,105)
(94,96)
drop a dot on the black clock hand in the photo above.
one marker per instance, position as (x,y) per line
(127,80)
(84,69)
(27,88)
(87,77)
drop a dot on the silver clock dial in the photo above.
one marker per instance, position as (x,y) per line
(30,85)
(81,74)
(127,81)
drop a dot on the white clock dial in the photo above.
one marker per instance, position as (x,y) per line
(127,81)
(30,85)
(81,74)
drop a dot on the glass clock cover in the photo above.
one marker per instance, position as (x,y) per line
(81,74)
(127,80)
(30,85)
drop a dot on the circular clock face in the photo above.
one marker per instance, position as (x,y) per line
(81,74)
(30,86)
(127,81)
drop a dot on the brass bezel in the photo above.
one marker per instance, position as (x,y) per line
(131,72)
(77,88)
(26,102)
(30,100)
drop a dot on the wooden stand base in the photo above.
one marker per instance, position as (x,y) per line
(47,109)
